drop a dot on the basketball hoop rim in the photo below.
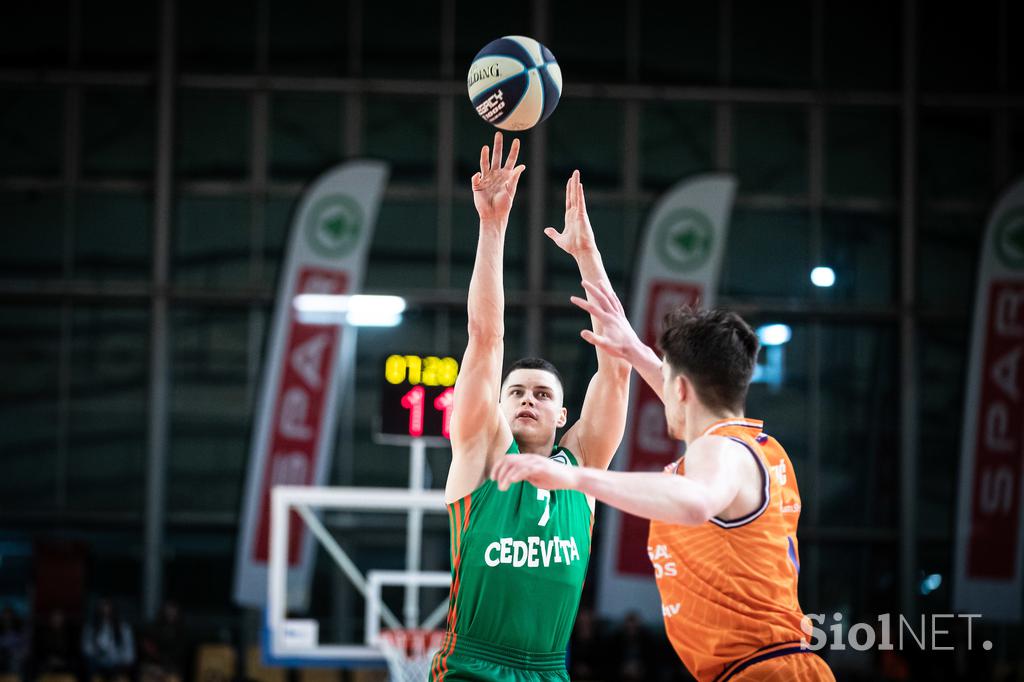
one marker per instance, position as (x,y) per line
(409,652)
(388,635)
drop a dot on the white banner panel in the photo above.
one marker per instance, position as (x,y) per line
(679,262)
(296,413)
(990,518)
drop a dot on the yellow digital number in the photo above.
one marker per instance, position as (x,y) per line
(394,369)
(448,372)
(430,364)
(415,363)
(430,370)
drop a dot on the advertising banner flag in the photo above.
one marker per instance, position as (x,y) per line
(296,412)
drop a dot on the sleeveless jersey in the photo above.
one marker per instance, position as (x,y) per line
(519,559)
(729,587)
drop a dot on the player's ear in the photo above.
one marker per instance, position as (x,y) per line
(563,416)
(682,387)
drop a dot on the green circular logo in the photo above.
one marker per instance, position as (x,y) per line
(1010,239)
(684,239)
(333,225)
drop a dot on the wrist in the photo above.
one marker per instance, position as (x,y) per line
(494,223)
(638,352)
(585,250)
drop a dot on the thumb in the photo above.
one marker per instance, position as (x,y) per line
(552,233)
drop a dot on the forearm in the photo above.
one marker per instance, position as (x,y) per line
(486,300)
(648,365)
(591,267)
(656,496)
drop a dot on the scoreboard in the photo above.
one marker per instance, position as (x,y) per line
(416,397)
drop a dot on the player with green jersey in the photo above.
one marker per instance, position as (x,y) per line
(519,557)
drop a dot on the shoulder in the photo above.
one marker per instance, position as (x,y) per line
(471,467)
(714,446)
(485,443)
(712,455)
(579,452)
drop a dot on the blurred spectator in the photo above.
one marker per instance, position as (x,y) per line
(12,642)
(53,647)
(632,647)
(586,652)
(163,646)
(893,666)
(107,643)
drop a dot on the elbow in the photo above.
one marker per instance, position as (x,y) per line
(694,512)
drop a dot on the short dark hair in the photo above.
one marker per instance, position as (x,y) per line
(716,350)
(533,363)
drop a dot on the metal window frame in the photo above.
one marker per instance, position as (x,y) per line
(161,293)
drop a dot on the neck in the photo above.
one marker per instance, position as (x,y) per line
(699,419)
(539,447)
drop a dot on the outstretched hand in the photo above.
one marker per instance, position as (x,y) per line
(617,337)
(578,235)
(494,187)
(538,470)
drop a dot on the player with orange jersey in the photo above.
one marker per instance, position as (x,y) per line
(723,517)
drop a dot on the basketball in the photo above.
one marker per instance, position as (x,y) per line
(514,83)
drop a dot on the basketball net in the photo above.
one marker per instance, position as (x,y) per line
(409,652)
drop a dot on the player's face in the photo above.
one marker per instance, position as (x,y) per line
(531,401)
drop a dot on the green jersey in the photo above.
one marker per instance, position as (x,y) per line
(519,559)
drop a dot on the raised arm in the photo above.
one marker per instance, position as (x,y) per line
(616,337)
(711,483)
(476,424)
(596,436)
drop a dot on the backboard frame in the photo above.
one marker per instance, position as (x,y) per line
(282,635)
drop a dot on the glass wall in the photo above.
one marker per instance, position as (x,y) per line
(810,116)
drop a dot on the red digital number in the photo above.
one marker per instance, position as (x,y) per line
(413,401)
(444,403)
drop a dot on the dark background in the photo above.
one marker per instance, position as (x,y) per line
(872,137)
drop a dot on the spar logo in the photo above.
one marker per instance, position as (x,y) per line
(301,404)
(1010,239)
(684,239)
(334,225)
(995,508)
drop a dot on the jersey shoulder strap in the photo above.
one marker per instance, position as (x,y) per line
(563,455)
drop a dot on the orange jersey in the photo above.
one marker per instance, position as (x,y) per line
(728,588)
